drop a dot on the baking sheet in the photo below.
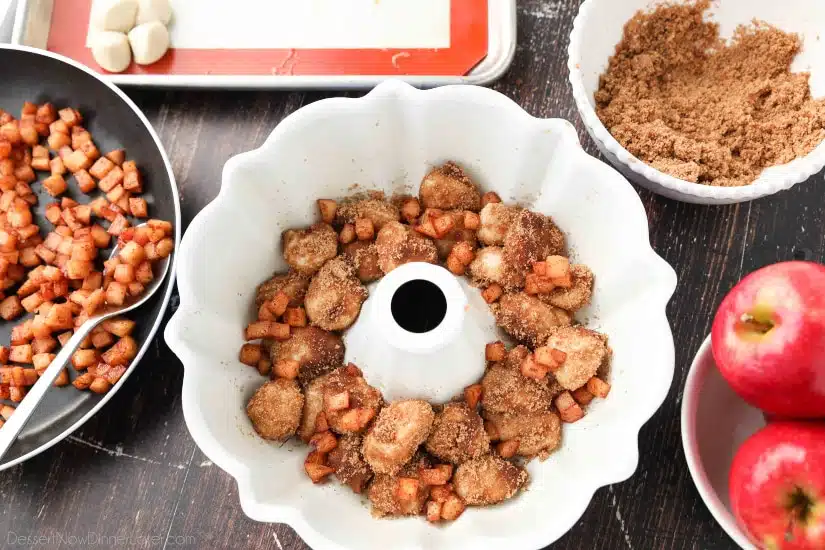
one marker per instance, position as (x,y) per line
(7,8)
(300,44)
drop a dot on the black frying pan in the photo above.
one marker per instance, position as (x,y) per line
(115,122)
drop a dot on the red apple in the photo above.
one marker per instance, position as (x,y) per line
(777,486)
(769,339)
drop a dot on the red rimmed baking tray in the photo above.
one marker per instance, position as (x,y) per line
(300,43)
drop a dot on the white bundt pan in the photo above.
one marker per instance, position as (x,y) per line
(388,140)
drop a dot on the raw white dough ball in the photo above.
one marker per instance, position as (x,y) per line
(115,15)
(154,10)
(149,42)
(111,50)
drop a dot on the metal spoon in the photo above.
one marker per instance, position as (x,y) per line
(24,411)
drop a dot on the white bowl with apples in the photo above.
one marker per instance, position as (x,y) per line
(753,413)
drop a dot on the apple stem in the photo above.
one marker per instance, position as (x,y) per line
(800,508)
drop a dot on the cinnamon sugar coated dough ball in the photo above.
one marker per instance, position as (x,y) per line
(275,409)
(334,297)
(317,351)
(586,351)
(496,219)
(293,284)
(399,244)
(456,235)
(378,210)
(507,391)
(306,250)
(538,434)
(458,434)
(490,266)
(385,501)
(531,238)
(576,297)
(350,467)
(528,319)
(383,492)
(313,405)
(448,188)
(400,428)
(364,256)
(361,396)
(488,480)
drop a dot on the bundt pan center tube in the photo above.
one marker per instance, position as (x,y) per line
(421,334)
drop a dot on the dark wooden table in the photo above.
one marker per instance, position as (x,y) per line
(133,474)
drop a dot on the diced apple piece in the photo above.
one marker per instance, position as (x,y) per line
(569,410)
(328,208)
(495,351)
(598,387)
(324,442)
(287,368)
(337,401)
(472,395)
(508,449)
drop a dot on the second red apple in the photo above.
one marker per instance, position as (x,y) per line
(769,339)
(777,486)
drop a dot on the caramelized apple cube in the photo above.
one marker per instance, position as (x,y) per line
(438,475)
(336,401)
(582,396)
(347,234)
(472,395)
(250,354)
(569,410)
(531,369)
(492,293)
(452,508)
(472,221)
(598,387)
(317,472)
(495,351)
(433,511)
(324,442)
(410,210)
(287,368)
(489,197)
(407,489)
(328,208)
(508,449)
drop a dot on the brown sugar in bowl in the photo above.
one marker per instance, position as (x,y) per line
(598,29)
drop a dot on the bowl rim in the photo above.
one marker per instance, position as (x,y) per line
(699,369)
(166,295)
(210,445)
(803,167)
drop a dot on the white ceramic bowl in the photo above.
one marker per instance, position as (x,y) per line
(715,423)
(598,29)
(388,140)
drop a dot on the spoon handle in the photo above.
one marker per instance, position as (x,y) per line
(24,411)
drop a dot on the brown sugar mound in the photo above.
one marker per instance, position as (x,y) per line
(681,100)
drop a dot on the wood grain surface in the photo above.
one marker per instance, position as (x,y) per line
(134,475)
